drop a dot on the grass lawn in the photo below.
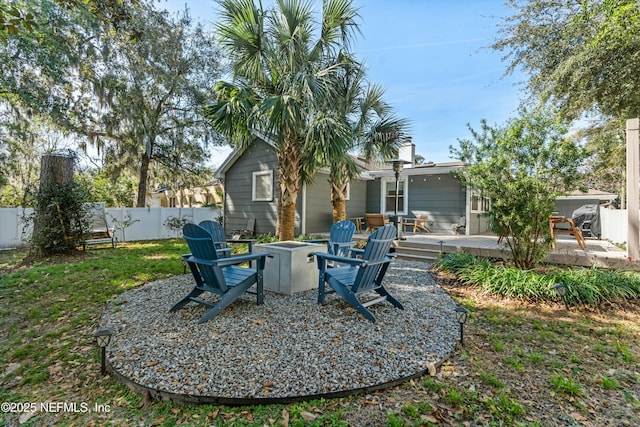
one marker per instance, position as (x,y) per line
(522,364)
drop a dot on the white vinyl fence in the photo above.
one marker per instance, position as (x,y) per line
(613,224)
(146,223)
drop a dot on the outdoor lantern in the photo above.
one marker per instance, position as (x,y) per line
(561,290)
(462,314)
(103,338)
(397,164)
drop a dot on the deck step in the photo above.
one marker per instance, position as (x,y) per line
(417,252)
(416,258)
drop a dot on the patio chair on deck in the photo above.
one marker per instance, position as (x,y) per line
(417,224)
(340,238)
(217,275)
(361,274)
(375,221)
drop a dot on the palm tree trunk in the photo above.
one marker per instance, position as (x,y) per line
(289,179)
(339,200)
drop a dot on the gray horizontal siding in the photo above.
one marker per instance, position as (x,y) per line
(358,197)
(319,209)
(440,197)
(373,196)
(318,213)
(238,181)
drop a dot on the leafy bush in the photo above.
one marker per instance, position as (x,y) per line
(175,223)
(589,286)
(455,262)
(61,220)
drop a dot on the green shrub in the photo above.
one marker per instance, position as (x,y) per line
(60,221)
(584,286)
(455,262)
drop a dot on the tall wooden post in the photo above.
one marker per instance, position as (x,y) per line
(633,193)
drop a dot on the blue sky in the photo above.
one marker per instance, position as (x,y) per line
(433,60)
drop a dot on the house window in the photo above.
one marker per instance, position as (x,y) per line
(172,202)
(262,186)
(479,202)
(389,195)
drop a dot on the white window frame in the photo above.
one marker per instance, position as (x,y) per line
(403,183)
(257,174)
(483,201)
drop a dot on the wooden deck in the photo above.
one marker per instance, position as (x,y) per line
(427,247)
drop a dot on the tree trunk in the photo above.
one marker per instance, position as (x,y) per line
(142,184)
(289,184)
(339,200)
(55,170)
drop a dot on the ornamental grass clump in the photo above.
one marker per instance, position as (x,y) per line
(584,286)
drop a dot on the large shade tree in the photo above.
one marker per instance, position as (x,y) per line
(282,60)
(134,94)
(151,96)
(20,16)
(583,57)
(41,76)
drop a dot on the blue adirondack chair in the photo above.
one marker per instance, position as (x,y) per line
(215,229)
(340,238)
(217,234)
(361,274)
(218,275)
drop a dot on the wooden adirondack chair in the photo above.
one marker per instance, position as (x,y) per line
(418,223)
(375,221)
(340,238)
(217,275)
(362,274)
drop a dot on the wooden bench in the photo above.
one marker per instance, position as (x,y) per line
(554,221)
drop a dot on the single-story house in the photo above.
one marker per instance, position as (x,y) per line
(250,179)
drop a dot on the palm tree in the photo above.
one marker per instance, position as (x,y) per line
(281,76)
(372,131)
